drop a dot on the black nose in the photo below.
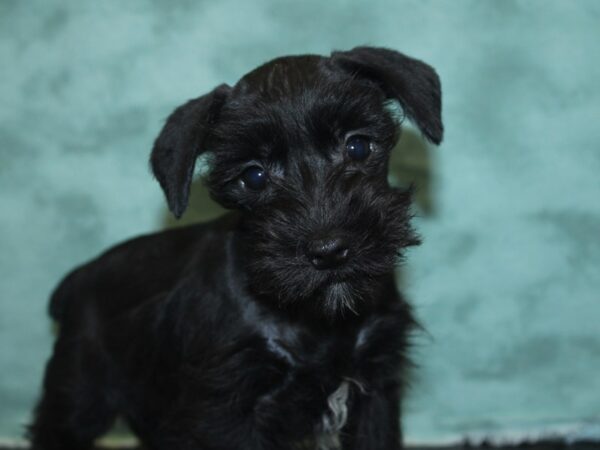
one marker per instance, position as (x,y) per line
(327,253)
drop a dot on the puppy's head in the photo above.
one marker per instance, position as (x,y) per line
(301,146)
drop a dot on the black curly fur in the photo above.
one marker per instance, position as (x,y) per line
(225,335)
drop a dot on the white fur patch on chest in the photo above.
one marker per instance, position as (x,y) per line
(334,418)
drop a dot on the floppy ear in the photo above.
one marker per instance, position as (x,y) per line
(180,142)
(410,81)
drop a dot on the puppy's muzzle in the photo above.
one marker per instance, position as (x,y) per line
(328,253)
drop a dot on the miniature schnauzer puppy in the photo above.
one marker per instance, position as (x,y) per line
(279,325)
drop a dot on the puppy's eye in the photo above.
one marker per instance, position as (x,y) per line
(358,147)
(254,178)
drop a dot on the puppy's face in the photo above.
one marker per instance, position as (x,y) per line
(301,146)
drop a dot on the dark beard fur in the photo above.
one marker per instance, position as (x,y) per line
(374,218)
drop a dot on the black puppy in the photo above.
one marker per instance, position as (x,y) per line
(278,325)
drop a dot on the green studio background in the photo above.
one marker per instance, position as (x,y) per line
(507,281)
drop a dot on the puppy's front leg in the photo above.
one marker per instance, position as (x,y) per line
(237,416)
(374,422)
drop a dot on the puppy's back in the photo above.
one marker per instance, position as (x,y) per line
(127,274)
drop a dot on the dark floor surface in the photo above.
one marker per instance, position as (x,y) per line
(545,445)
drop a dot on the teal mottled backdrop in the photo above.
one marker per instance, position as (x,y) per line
(507,282)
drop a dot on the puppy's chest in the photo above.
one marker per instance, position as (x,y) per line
(325,373)
(331,359)
(328,368)
(337,356)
